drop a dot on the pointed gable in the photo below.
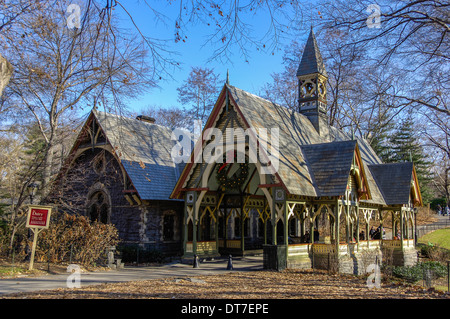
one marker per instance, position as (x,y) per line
(295,133)
(330,165)
(333,164)
(397,182)
(142,149)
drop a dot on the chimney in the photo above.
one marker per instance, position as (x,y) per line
(145,118)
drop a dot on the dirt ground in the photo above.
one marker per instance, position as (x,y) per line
(20,269)
(289,284)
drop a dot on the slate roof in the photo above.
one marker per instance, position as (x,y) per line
(145,152)
(394,181)
(311,61)
(309,164)
(330,165)
(303,152)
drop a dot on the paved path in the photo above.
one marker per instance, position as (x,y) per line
(442,222)
(217,266)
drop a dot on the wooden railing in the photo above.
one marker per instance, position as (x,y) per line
(202,246)
(392,243)
(329,248)
(395,243)
(369,244)
(344,248)
(231,243)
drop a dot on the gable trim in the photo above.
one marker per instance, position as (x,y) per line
(225,98)
(363,184)
(73,154)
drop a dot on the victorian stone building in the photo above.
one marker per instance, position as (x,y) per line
(120,171)
(279,178)
(311,194)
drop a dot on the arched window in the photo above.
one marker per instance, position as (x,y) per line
(98,208)
(170,226)
(99,163)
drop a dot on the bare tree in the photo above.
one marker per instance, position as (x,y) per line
(411,36)
(283,89)
(59,69)
(231,24)
(436,132)
(199,93)
(172,117)
(353,89)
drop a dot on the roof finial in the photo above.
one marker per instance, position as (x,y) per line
(228,77)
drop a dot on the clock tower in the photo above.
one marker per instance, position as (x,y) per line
(312,79)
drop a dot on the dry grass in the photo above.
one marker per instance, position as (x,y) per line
(288,284)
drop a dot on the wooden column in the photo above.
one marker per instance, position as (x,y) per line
(194,226)
(242,228)
(337,209)
(273,217)
(311,224)
(393,225)
(216,227)
(357,224)
(401,229)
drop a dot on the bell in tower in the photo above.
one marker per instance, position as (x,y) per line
(312,78)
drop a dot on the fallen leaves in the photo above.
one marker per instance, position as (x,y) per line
(289,284)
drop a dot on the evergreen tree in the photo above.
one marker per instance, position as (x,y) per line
(380,141)
(405,147)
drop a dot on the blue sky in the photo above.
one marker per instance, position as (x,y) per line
(249,76)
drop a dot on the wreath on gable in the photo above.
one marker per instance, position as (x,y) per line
(236,180)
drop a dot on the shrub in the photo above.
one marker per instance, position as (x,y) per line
(74,236)
(434,252)
(425,250)
(415,273)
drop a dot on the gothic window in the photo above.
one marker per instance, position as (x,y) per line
(169,226)
(98,208)
(99,163)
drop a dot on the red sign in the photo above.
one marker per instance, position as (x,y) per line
(38,217)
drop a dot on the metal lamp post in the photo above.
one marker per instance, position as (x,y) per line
(32,189)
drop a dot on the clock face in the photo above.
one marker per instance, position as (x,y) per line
(190,198)
(279,194)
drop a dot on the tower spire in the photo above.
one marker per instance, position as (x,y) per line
(312,78)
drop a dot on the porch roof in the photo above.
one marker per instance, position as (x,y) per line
(310,164)
(330,164)
(402,173)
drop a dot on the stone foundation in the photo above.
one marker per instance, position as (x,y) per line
(398,257)
(357,262)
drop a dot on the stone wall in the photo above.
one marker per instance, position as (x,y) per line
(350,260)
(137,224)
(356,262)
